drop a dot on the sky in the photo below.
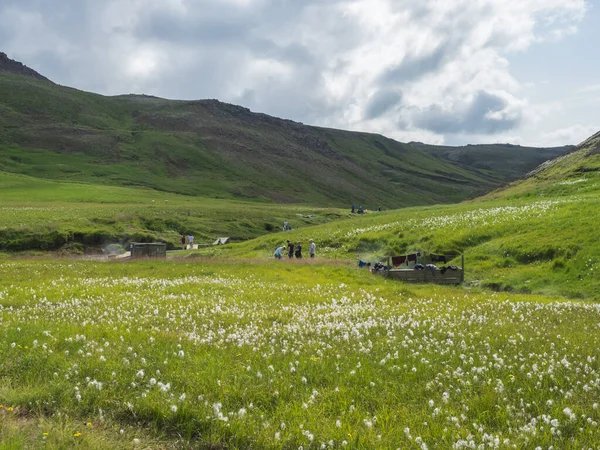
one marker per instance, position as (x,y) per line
(450,72)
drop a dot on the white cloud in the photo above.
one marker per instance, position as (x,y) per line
(589,89)
(426,70)
(574,134)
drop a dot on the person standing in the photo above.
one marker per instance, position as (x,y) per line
(298,252)
(312,249)
(191,241)
(183,241)
(285,225)
(278,254)
(290,246)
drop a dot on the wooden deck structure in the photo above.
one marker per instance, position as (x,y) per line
(427,275)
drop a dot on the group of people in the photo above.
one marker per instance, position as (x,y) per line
(360,209)
(295,250)
(187,241)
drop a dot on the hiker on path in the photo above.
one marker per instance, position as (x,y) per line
(290,247)
(312,248)
(298,252)
(191,241)
(183,241)
(285,225)
(352,209)
(279,252)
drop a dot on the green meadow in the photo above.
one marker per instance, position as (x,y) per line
(226,348)
(536,236)
(180,354)
(47,215)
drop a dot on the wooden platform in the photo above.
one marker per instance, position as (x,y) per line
(424,276)
(427,275)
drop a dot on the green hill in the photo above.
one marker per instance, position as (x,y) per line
(538,235)
(218,150)
(505,160)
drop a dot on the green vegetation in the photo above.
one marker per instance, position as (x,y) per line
(225,348)
(273,355)
(502,160)
(538,236)
(212,149)
(48,215)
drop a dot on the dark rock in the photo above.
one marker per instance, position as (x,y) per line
(11,66)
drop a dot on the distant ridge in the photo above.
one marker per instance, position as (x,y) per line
(8,65)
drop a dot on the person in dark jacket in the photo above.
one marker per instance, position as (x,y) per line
(290,246)
(298,252)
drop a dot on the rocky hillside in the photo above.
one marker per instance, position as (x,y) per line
(8,65)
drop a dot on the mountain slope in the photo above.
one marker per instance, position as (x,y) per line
(506,160)
(539,235)
(215,149)
(559,176)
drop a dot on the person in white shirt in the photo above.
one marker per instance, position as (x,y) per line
(312,248)
(279,252)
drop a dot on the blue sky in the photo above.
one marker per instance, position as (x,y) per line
(565,74)
(443,72)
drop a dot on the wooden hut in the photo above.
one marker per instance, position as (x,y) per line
(148,250)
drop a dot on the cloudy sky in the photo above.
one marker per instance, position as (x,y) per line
(437,71)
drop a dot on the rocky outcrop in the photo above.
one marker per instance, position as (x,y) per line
(592,144)
(11,66)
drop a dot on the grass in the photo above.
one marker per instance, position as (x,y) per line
(226,348)
(543,246)
(49,215)
(537,236)
(275,355)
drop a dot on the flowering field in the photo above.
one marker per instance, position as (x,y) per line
(538,235)
(271,355)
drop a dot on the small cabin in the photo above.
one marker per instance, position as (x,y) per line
(148,250)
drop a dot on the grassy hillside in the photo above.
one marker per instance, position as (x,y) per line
(539,235)
(49,215)
(213,149)
(505,160)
